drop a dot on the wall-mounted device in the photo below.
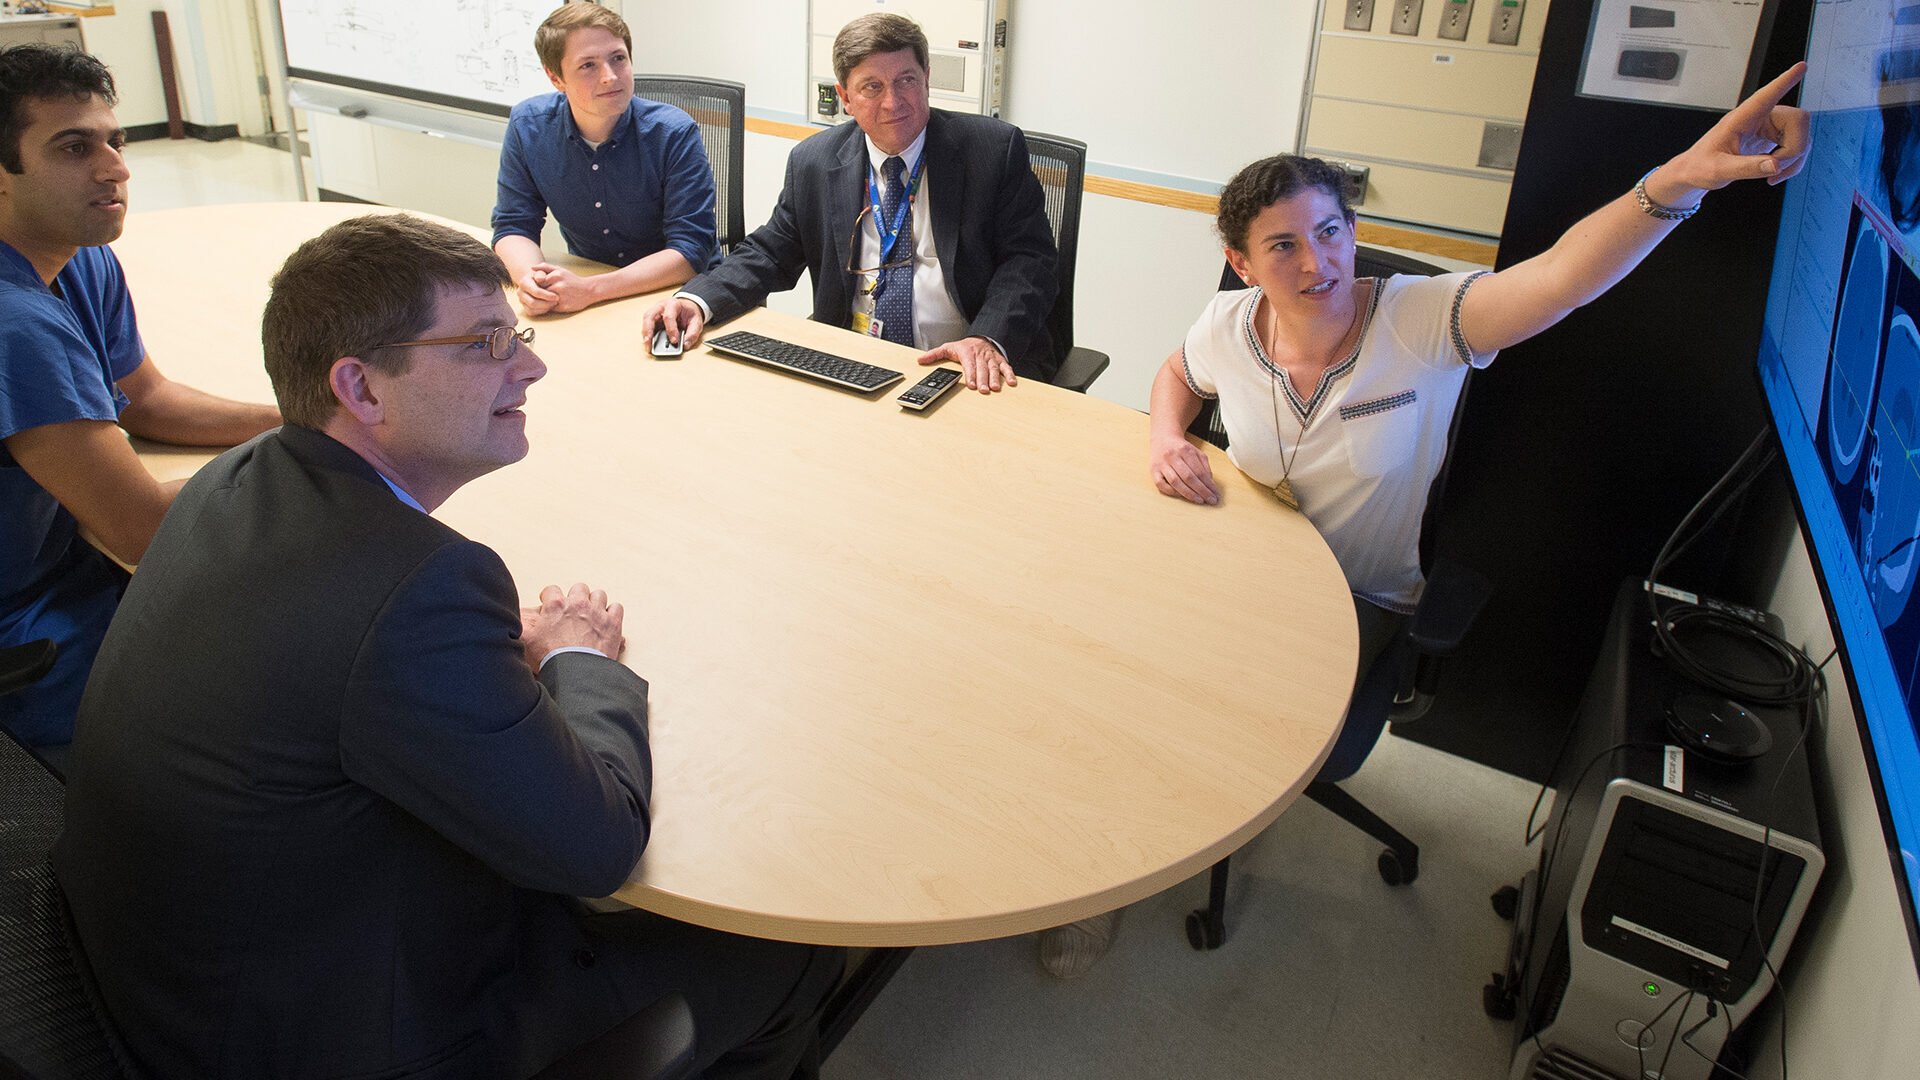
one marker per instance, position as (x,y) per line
(1359,15)
(966,52)
(1499,146)
(1356,179)
(1506,22)
(1454,19)
(1406,17)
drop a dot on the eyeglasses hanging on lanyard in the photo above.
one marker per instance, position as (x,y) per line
(893,254)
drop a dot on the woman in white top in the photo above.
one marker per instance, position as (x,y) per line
(1337,392)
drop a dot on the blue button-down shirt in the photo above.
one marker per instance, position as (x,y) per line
(647,188)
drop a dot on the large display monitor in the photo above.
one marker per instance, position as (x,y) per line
(1840,362)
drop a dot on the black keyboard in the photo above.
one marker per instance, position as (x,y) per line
(801,360)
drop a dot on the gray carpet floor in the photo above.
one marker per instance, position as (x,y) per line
(1326,972)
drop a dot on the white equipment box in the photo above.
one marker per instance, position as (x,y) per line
(966,52)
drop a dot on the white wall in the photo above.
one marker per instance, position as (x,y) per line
(1853,995)
(124,42)
(1194,90)
(213,61)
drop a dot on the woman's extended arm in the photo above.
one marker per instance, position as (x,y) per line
(1760,138)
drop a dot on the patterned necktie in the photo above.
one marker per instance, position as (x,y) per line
(893,306)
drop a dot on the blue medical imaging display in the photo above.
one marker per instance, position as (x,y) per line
(1840,362)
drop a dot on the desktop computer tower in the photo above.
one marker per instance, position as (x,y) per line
(1634,953)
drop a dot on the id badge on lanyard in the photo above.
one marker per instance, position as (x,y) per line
(864,286)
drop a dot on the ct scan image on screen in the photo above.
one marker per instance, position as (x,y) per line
(1840,367)
(1867,439)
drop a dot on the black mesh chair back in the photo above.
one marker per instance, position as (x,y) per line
(720,108)
(47,1023)
(1061,167)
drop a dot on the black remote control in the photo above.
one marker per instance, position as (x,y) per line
(927,390)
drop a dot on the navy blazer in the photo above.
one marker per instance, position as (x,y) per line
(989,226)
(321,816)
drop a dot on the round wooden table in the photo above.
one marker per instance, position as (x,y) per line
(916,678)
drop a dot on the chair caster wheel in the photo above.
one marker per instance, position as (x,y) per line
(1506,902)
(1497,1002)
(1202,934)
(1395,872)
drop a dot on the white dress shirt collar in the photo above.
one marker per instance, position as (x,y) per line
(910,156)
(400,492)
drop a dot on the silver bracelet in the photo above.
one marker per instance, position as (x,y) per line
(1654,209)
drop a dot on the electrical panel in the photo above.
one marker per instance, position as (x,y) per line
(1506,22)
(966,52)
(1430,99)
(1406,17)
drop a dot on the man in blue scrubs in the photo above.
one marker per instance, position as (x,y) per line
(627,179)
(74,380)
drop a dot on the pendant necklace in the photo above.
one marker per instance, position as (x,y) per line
(1284,489)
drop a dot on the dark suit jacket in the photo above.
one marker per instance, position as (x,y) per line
(320,813)
(989,228)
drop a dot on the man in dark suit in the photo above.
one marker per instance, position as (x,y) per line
(333,791)
(921,226)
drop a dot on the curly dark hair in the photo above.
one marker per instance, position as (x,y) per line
(1268,181)
(43,71)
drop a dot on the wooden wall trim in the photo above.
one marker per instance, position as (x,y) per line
(1368,232)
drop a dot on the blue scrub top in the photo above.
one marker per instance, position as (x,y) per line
(60,355)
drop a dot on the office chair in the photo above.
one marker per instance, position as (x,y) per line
(48,1027)
(1061,166)
(1400,685)
(720,108)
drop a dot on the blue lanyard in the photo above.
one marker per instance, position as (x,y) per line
(889,232)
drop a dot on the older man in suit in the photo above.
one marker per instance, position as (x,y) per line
(917,225)
(334,791)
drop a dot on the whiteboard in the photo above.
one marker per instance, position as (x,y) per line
(468,54)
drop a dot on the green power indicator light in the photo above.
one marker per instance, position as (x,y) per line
(1652,989)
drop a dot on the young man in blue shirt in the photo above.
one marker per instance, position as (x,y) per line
(627,179)
(74,381)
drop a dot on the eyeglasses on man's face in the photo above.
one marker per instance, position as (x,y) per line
(501,341)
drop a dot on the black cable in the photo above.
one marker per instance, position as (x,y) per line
(1640,1043)
(1566,739)
(1726,1015)
(1731,477)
